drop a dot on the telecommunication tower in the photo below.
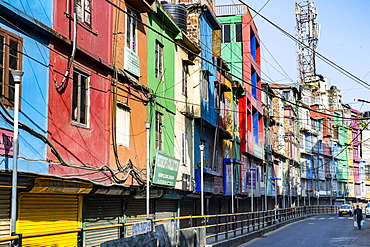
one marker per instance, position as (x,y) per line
(307,32)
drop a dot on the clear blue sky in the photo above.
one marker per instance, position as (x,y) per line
(344,39)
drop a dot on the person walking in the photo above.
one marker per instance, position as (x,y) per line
(358,216)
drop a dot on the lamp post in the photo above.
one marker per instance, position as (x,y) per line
(17,76)
(232,187)
(147,127)
(252,181)
(201,147)
(275,207)
(290,191)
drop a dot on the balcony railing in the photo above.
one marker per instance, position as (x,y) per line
(228,10)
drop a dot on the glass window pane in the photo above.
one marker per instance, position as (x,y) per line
(11,88)
(83,100)
(13,55)
(238,32)
(226,33)
(75,97)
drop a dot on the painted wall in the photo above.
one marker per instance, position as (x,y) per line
(164,91)
(34,88)
(208,112)
(232,52)
(126,93)
(31,10)
(184,109)
(79,145)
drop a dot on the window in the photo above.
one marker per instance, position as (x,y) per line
(253,45)
(185,73)
(80,98)
(226,33)
(286,95)
(83,9)
(329,125)
(131,27)
(159,61)
(217,97)
(158,131)
(123,126)
(238,32)
(205,85)
(10,53)
(184,148)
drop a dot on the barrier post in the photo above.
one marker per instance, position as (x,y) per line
(122,231)
(80,238)
(17,242)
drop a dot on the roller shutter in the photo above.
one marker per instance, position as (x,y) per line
(186,209)
(101,210)
(166,208)
(48,212)
(136,212)
(4,214)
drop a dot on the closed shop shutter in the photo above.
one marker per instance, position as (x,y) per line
(4,214)
(166,208)
(48,212)
(101,210)
(136,212)
(186,209)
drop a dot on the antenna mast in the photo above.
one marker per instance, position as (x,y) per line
(307,32)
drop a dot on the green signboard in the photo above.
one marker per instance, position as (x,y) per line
(258,151)
(165,170)
(132,62)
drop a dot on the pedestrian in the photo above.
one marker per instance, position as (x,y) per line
(358,216)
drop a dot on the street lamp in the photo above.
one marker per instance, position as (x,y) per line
(201,147)
(232,187)
(290,191)
(17,76)
(275,180)
(147,127)
(252,181)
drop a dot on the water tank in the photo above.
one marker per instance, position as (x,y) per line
(366,114)
(178,12)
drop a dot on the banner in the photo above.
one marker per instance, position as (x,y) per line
(251,178)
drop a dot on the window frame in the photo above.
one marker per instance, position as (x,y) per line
(77,120)
(131,31)
(83,10)
(238,33)
(159,131)
(185,77)
(223,26)
(184,148)
(121,119)
(7,83)
(205,85)
(159,51)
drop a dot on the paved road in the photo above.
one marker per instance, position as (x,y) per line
(316,231)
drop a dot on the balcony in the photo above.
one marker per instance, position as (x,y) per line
(231,10)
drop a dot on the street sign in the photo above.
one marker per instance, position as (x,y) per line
(141,227)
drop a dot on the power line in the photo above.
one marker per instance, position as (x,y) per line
(322,57)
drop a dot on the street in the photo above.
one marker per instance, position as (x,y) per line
(316,231)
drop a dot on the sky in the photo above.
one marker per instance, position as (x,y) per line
(344,40)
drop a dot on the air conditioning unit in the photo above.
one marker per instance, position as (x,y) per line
(186,181)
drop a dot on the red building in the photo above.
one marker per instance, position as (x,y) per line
(251,112)
(79,89)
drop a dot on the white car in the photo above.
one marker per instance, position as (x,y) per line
(345,209)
